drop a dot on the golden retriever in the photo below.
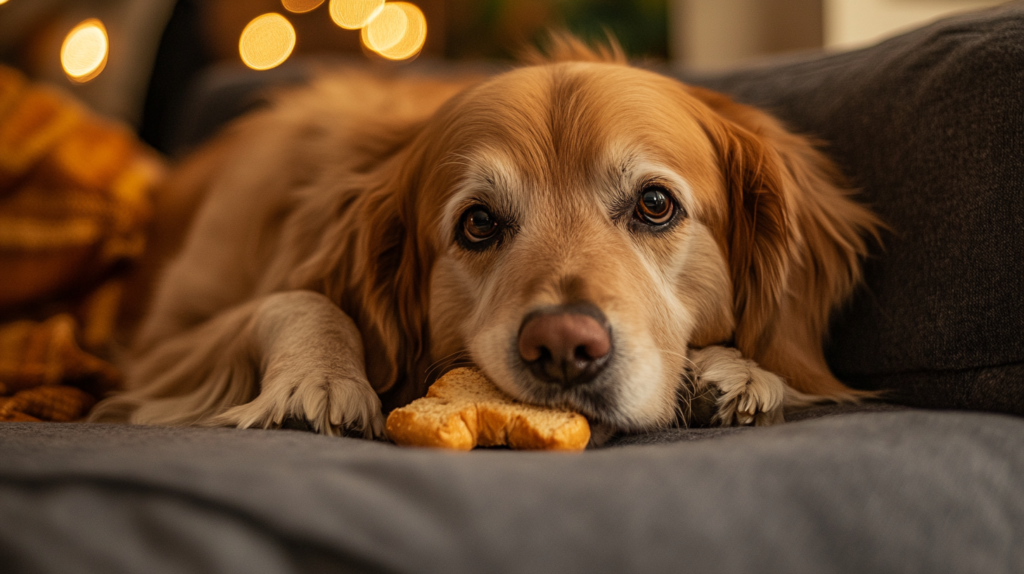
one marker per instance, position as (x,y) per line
(589,234)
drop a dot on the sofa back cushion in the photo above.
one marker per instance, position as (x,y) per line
(930,126)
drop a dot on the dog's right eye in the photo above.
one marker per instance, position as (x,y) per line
(479,225)
(654,206)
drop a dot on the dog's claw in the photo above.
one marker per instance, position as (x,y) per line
(330,405)
(748,395)
(747,404)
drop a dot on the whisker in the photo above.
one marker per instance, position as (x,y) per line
(686,392)
(457,359)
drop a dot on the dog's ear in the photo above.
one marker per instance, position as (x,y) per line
(395,273)
(757,230)
(369,262)
(794,240)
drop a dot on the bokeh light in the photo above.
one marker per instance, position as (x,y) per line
(84,52)
(354,14)
(398,33)
(386,29)
(301,6)
(267,41)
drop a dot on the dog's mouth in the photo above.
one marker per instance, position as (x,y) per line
(597,399)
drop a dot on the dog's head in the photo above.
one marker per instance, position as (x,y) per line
(573,227)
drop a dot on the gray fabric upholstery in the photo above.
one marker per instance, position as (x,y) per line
(930,125)
(910,491)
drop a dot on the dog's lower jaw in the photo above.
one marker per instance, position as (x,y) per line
(604,410)
(723,389)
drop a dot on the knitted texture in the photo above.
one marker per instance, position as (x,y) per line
(74,204)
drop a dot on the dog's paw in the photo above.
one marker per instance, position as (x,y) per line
(748,394)
(328,404)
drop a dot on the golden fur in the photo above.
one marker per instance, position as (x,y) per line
(322,272)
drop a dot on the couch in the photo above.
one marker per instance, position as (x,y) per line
(929,125)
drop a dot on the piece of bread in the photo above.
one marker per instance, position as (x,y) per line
(463,410)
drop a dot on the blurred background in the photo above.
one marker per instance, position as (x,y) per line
(160,49)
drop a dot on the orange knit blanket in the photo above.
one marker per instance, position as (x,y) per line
(74,204)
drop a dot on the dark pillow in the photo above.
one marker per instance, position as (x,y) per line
(930,125)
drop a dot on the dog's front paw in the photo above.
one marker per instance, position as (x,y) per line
(748,394)
(329,404)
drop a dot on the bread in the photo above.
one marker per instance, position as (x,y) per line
(463,410)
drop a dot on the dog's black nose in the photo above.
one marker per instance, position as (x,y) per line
(566,344)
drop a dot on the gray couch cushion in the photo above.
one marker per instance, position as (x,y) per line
(909,491)
(930,125)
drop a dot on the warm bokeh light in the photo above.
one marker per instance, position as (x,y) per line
(354,14)
(387,29)
(3,1)
(301,6)
(267,41)
(84,52)
(398,33)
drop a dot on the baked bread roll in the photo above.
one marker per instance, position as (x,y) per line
(463,410)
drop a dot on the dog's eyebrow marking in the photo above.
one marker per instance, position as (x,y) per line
(489,177)
(631,168)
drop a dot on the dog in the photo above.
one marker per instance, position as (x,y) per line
(591,235)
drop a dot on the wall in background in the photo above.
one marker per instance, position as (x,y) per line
(710,34)
(851,23)
(715,34)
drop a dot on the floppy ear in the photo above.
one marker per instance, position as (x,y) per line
(393,285)
(757,232)
(369,262)
(794,239)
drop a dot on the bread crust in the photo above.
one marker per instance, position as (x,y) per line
(463,410)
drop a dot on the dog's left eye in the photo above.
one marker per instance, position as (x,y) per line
(654,206)
(479,224)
